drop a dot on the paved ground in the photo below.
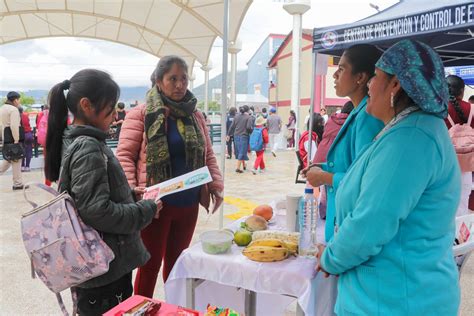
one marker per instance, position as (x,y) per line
(20,295)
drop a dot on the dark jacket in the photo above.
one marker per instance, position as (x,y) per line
(96,181)
(229,120)
(242,125)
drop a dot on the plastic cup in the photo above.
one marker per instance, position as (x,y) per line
(292,205)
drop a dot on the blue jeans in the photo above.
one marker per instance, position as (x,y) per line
(241,147)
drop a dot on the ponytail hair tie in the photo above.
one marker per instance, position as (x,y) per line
(66,84)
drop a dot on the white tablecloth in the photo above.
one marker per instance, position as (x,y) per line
(227,273)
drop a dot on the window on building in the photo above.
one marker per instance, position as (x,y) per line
(272,75)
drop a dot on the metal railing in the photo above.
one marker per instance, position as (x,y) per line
(215,133)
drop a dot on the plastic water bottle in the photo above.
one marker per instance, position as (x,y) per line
(308,215)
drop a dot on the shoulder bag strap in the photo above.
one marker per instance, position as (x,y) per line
(450,120)
(38,185)
(74,303)
(61,304)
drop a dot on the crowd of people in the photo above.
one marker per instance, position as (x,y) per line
(258,132)
(385,163)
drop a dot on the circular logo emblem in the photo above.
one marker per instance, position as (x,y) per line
(329,39)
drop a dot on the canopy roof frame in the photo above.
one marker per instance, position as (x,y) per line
(191,32)
(104,17)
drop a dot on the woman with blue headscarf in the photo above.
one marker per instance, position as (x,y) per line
(396,205)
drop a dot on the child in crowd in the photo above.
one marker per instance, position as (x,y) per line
(258,140)
(316,135)
(42,130)
(119,118)
(25,123)
(87,169)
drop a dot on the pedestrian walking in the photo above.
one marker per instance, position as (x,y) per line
(274,124)
(258,141)
(230,139)
(10,120)
(25,123)
(291,126)
(241,129)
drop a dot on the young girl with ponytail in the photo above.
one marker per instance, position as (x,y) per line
(88,170)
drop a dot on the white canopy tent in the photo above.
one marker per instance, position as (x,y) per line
(187,28)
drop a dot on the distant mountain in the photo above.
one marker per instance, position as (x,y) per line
(128,95)
(216,83)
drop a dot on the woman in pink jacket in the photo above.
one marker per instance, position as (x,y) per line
(163,139)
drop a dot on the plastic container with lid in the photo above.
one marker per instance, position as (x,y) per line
(216,241)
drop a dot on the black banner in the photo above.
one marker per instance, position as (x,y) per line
(426,22)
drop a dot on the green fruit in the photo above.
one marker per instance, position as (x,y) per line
(242,237)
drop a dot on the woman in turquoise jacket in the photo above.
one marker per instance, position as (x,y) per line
(396,205)
(355,68)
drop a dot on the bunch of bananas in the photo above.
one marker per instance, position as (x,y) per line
(289,237)
(269,250)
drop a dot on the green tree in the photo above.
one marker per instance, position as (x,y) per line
(212,106)
(26,100)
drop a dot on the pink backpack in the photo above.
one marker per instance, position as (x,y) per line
(42,129)
(64,252)
(462,137)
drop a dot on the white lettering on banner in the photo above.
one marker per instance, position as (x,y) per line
(416,18)
(467,71)
(436,20)
(422,22)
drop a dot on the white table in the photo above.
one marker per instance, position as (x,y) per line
(253,288)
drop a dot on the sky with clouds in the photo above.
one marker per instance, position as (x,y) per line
(41,63)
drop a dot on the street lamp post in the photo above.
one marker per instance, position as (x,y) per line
(296,8)
(192,77)
(206,68)
(234,48)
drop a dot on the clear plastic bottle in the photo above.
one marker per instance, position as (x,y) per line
(308,215)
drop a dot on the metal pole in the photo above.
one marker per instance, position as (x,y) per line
(296,8)
(295,72)
(191,82)
(234,48)
(233,70)
(311,105)
(225,48)
(250,302)
(206,91)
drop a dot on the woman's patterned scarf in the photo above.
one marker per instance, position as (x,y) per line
(158,107)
